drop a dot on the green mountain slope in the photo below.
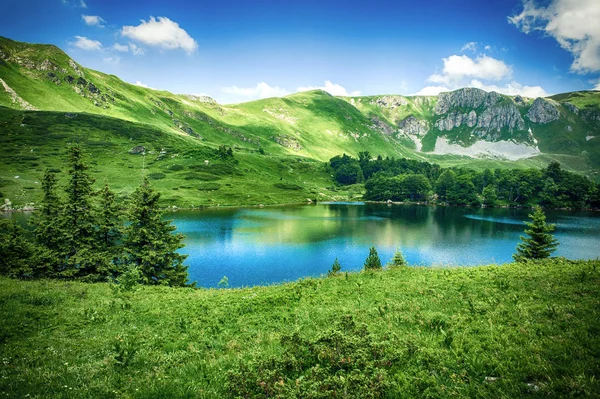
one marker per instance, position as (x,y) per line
(45,94)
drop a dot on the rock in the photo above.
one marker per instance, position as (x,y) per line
(389,201)
(28,208)
(75,67)
(542,111)
(7,206)
(518,99)
(381,126)
(138,149)
(287,141)
(93,89)
(52,76)
(201,99)
(70,115)
(413,126)
(467,97)
(81,82)
(309,200)
(571,107)
(389,102)
(206,162)
(70,79)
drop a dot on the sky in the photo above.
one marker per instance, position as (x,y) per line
(241,50)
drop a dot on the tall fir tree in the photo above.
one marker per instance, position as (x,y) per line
(540,242)
(110,230)
(150,244)
(80,251)
(16,251)
(48,232)
(373,262)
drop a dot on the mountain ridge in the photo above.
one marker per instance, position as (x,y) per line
(465,127)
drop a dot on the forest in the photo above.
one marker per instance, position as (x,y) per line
(417,181)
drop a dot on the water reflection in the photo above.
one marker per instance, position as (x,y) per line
(267,245)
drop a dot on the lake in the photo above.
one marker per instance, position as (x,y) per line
(255,246)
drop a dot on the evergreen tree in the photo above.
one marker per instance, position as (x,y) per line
(47,229)
(149,243)
(335,268)
(80,249)
(109,230)
(372,262)
(398,259)
(15,250)
(540,243)
(489,195)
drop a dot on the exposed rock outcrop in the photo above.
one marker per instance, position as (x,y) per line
(381,126)
(389,101)
(467,97)
(16,98)
(413,126)
(542,111)
(201,99)
(287,141)
(571,107)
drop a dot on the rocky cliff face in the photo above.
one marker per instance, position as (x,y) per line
(467,97)
(542,111)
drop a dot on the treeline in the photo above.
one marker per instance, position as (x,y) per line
(410,180)
(85,234)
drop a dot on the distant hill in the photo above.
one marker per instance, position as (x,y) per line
(465,127)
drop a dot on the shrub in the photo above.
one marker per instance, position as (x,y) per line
(156,176)
(344,360)
(335,268)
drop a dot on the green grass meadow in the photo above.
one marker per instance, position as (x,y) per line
(509,331)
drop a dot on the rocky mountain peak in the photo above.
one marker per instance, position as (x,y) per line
(201,99)
(468,97)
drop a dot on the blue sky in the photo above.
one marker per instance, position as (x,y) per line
(238,50)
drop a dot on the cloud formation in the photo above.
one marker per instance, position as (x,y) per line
(471,46)
(574,25)
(332,88)
(84,43)
(463,71)
(161,32)
(458,67)
(120,47)
(93,20)
(261,90)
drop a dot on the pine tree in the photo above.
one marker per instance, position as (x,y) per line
(372,262)
(47,229)
(335,268)
(149,243)
(80,250)
(540,243)
(109,230)
(15,250)
(398,259)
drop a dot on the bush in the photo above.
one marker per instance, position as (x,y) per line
(287,186)
(344,360)
(156,176)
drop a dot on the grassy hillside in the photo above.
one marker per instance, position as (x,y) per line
(495,331)
(48,100)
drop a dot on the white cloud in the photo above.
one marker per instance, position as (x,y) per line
(332,88)
(457,67)
(261,90)
(93,20)
(162,33)
(82,4)
(120,47)
(574,25)
(463,71)
(87,44)
(431,90)
(471,46)
(112,60)
(487,47)
(138,83)
(136,50)
(597,87)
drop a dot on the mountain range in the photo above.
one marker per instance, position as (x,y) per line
(280,144)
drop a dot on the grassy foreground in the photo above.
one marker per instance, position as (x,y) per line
(517,330)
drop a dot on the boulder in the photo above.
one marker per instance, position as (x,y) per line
(138,149)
